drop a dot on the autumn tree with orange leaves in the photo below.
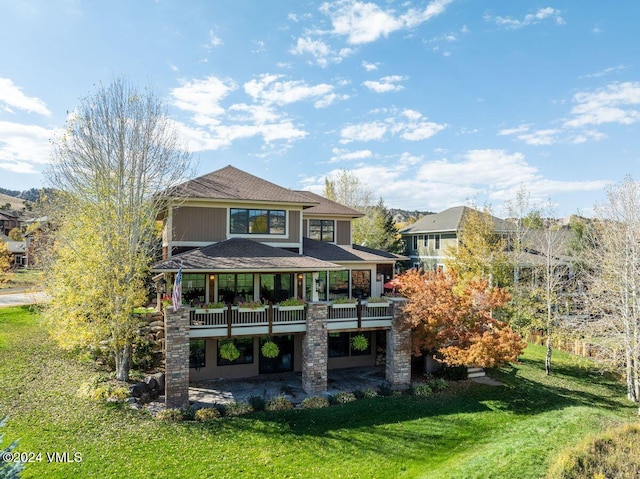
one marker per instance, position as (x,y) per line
(455,319)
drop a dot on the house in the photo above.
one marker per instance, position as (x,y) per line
(17,250)
(242,242)
(428,239)
(8,221)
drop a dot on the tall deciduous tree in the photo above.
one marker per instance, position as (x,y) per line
(455,318)
(614,286)
(118,152)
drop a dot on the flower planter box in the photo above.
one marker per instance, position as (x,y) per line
(251,310)
(291,308)
(377,305)
(344,305)
(210,311)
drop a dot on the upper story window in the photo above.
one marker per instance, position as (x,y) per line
(322,230)
(265,222)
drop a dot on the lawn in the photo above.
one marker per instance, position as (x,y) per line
(23,278)
(470,431)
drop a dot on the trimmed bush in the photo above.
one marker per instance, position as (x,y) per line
(422,390)
(438,384)
(359,394)
(385,390)
(314,402)
(237,409)
(370,393)
(206,414)
(345,397)
(258,403)
(279,403)
(171,415)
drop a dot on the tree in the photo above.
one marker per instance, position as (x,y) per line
(454,318)
(481,250)
(15,234)
(118,153)
(614,282)
(5,263)
(8,469)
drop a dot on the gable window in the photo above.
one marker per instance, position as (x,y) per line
(249,221)
(322,230)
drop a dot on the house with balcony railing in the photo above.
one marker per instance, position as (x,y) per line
(246,247)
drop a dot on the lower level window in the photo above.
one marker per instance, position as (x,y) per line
(340,344)
(197,356)
(245,348)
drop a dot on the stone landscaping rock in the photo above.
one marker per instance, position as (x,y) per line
(138,389)
(159,377)
(151,382)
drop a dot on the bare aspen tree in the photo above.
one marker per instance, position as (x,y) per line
(118,153)
(614,286)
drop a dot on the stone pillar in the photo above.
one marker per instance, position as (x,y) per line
(398,367)
(176,358)
(315,350)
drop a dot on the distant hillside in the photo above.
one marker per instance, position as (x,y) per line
(17,204)
(406,216)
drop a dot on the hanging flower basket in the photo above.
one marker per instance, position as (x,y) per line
(229,351)
(359,343)
(270,350)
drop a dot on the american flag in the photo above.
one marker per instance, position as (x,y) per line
(177,291)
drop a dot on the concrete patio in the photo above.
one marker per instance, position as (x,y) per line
(225,391)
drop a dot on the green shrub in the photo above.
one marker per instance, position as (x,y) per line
(370,393)
(422,390)
(270,349)
(8,470)
(333,401)
(314,402)
(279,403)
(385,390)
(258,403)
(120,393)
(237,408)
(206,414)
(452,373)
(170,415)
(345,397)
(359,394)
(438,384)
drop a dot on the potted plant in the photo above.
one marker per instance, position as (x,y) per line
(270,349)
(250,307)
(214,308)
(377,302)
(229,351)
(291,304)
(342,303)
(359,342)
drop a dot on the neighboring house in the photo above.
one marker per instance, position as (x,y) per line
(239,238)
(428,239)
(17,249)
(8,221)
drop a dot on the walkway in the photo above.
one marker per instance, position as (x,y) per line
(13,298)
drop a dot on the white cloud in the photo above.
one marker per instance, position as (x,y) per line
(370,66)
(214,41)
(385,84)
(321,52)
(345,155)
(605,72)
(327,100)
(512,131)
(529,19)
(202,97)
(268,89)
(615,103)
(365,22)
(12,96)
(409,125)
(540,137)
(24,146)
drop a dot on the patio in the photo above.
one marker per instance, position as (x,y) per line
(225,391)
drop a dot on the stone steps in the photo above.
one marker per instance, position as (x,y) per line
(475,373)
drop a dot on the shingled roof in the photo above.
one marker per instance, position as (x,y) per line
(332,252)
(448,220)
(230,183)
(242,255)
(327,207)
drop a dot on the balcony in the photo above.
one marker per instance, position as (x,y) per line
(275,320)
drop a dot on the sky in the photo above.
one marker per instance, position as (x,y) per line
(433,104)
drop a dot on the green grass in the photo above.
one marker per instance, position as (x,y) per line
(23,278)
(475,431)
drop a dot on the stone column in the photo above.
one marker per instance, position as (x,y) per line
(398,367)
(315,350)
(176,358)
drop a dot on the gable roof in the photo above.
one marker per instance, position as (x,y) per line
(328,207)
(242,255)
(338,253)
(448,220)
(230,183)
